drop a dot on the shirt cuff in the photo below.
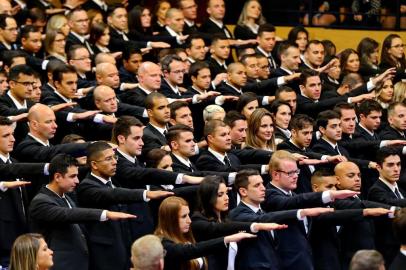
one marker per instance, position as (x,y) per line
(145,113)
(326,197)
(44,64)
(252,228)
(404,150)
(219,100)
(383,143)
(392,214)
(231,178)
(195,99)
(79,92)
(69,118)
(179,179)
(349,100)
(213,85)
(149,45)
(265,100)
(2,187)
(264,169)
(298,215)
(197,150)
(103,216)
(324,157)
(98,118)
(46,169)
(370,85)
(280,81)
(144,196)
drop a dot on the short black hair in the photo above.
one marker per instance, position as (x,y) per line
(325,116)
(129,50)
(266,27)
(94,150)
(26,30)
(149,100)
(176,105)
(241,179)
(301,121)
(8,57)
(385,152)
(15,72)
(307,73)
(367,106)
(196,67)
(57,74)
(175,131)
(123,127)
(233,116)
(60,164)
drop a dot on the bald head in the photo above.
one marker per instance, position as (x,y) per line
(107,74)
(149,76)
(348,175)
(42,122)
(104,58)
(36,111)
(105,99)
(233,67)
(5,7)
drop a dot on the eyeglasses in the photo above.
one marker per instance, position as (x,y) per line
(291,173)
(399,46)
(82,58)
(108,159)
(26,84)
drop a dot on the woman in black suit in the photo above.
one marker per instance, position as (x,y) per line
(250,19)
(393,55)
(211,220)
(282,114)
(100,37)
(177,238)
(368,50)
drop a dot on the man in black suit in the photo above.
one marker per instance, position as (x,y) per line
(313,55)
(284,174)
(195,48)
(219,54)
(386,190)
(8,33)
(214,24)
(78,22)
(288,95)
(132,59)
(109,242)
(174,23)
(399,226)
(31,47)
(266,42)
(189,10)
(79,57)
(263,252)
(54,214)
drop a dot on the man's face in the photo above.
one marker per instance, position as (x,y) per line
(189,9)
(281,177)
(263,68)
(221,49)
(291,59)
(291,98)
(5,8)
(185,144)
(238,76)
(68,85)
(108,102)
(390,170)
(328,183)
(19,89)
(312,89)
(118,19)
(68,181)
(3,83)
(33,42)
(349,178)
(184,116)
(6,139)
(133,64)
(197,49)
(372,121)
(238,132)
(220,140)
(251,67)
(79,22)
(335,70)
(255,191)
(315,54)
(267,41)
(203,79)
(176,73)
(106,164)
(46,125)
(333,131)
(160,111)
(36,91)
(10,32)
(303,137)
(397,119)
(216,9)
(151,78)
(348,121)
(176,21)
(110,77)
(133,143)
(81,61)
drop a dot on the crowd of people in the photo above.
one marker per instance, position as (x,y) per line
(131,137)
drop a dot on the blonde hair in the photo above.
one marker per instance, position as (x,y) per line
(278,157)
(242,20)
(56,22)
(399,93)
(254,123)
(24,252)
(147,252)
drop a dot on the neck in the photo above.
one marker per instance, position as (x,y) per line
(146,88)
(198,88)
(175,152)
(123,149)
(249,202)
(363,126)
(217,58)
(223,152)
(250,21)
(54,187)
(101,175)
(20,100)
(395,128)
(330,141)
(218,213)
(297,144)
(387,180)
(38,136)
(155,123)
(277,185)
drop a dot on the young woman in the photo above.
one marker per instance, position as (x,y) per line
(100,37)
(161,7)
(247,103)
(399,94)
(55,42)
(300,36)
(183,253)
(385,96)
(30,252)
(58,23)
(393,55)
(282,113)
(368,51)
(211,219)
(250,19)
(349,60)
(160,159)
(260,131)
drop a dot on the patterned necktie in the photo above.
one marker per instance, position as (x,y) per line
(227,161)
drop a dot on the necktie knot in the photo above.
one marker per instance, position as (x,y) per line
(397,193)
(109,184)
(227,161)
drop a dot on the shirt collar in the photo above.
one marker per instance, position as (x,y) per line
(391,186)
(146,91)
(38,140)
(332,145)
(18,104)
(220,63)
(4,158)
(8,46)
(62,197)
(235,88)
(369,132)
(304,148)
(103,49)
(67,100)
(104,181)
(21,3)
(46,4)
(254,28)
(263,52)
(172,32)
(217,155)
(175,89)
(60,57)
(284,191)
(217,22)
(286,132)
(252,207)
(332,80)
(80,37)
(191,60)
(198,90)
(181,159)
(128,157)
(287,70)
(189,23)
(161,130)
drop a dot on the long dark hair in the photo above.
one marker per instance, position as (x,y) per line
(134,20)
(366,47)
(386,58)
(207,196)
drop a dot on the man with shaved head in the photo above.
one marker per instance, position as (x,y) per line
(149,77)
(174,23)
(36,146)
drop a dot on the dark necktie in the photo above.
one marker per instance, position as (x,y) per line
(271,61)
(397,193)
(336,150)
(191,167)
(109,184)
(227,161)
(259,212)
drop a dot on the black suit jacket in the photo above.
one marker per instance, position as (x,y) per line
(243,32)
(210,28)
(134,96)
(73,40)
(399,263)
(152,139)
(117,42)
(167,91)
(126,76)
(52,217)
(311,108)
(215,68)
(279,72)
(108,241)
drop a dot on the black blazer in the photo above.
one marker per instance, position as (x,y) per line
(251,155)
(165,35)
(311,108)
(215,68)
(108,241)
(167,91)
(126,76)
(73,40)
(262,251)
(243,32)
(210,28)
(399,263)
(152,139)
(279,72)
(117,42)
(51,216)
(134,96)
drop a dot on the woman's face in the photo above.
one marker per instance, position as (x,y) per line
(165,163)
(265,130)
(98,18)
(249,108)
(65,27)
(58,45)
(352,64)
(387,91)
(374,57)
(222,199)
(397,48)
(283,116)
(253,10)
(44,256)
(301,41)
(105,38)
(146,18)
(184,219)
(163,8)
